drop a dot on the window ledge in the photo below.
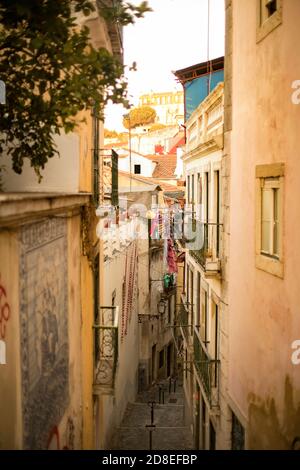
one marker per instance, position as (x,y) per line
(270,265)
(269,25)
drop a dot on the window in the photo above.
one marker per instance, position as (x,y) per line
(113,298)
(207,202)
(199,186)
(269,16)
(187,283)
(217,203)
(268,8)
(161,358)
(188,189)
(192,296)
(154,200)
(204,315)
(193,189)
(269,218)
(137,169)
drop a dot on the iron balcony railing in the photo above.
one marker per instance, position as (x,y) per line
(106,347)
(207,369)
(183,321)
(206,250)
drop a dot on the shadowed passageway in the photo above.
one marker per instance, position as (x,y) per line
(170,431)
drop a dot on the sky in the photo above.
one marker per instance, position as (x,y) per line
(172,37)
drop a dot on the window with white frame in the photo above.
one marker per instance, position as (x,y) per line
(270,223)
(269,218)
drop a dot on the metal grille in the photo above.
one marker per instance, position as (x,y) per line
(106,347)
(208,370)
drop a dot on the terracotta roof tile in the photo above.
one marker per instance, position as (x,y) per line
(166,165)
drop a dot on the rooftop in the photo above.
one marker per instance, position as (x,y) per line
(195,71)
(165,166)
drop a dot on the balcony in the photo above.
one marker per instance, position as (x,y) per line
(183,322)
(205,125)
(207,370)
(106,349)
(208,255)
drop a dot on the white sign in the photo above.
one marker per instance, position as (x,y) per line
(296,94)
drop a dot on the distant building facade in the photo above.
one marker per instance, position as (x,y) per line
(169,106)
(200,312)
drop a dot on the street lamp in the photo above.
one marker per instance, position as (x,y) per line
(161,307)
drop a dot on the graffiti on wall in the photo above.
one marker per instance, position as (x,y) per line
(4,317)
(44,329)
(54,440)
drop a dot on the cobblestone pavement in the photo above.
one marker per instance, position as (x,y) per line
(170,432)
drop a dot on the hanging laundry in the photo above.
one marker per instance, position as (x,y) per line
(171,258)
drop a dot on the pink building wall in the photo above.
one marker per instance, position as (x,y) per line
(264,310)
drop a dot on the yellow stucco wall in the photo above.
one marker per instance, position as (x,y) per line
(85,133)
(15,292)
(87,352)
(10,385)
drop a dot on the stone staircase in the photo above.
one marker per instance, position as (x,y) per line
(170,432)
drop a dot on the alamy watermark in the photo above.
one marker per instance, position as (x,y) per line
(295,358)
(296,94)
(159,223)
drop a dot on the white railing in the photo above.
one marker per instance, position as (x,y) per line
(206,121)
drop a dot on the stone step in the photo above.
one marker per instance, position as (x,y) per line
(170,433)
(162,439)
(139,414)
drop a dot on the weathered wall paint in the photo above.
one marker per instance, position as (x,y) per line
(4,310)
(87,309)
(40,386)
(10,379)
(264,309)
(4,318)
(276,432)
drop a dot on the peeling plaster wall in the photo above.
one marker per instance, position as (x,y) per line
(264,385)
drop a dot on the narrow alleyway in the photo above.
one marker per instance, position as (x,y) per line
(170,431)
